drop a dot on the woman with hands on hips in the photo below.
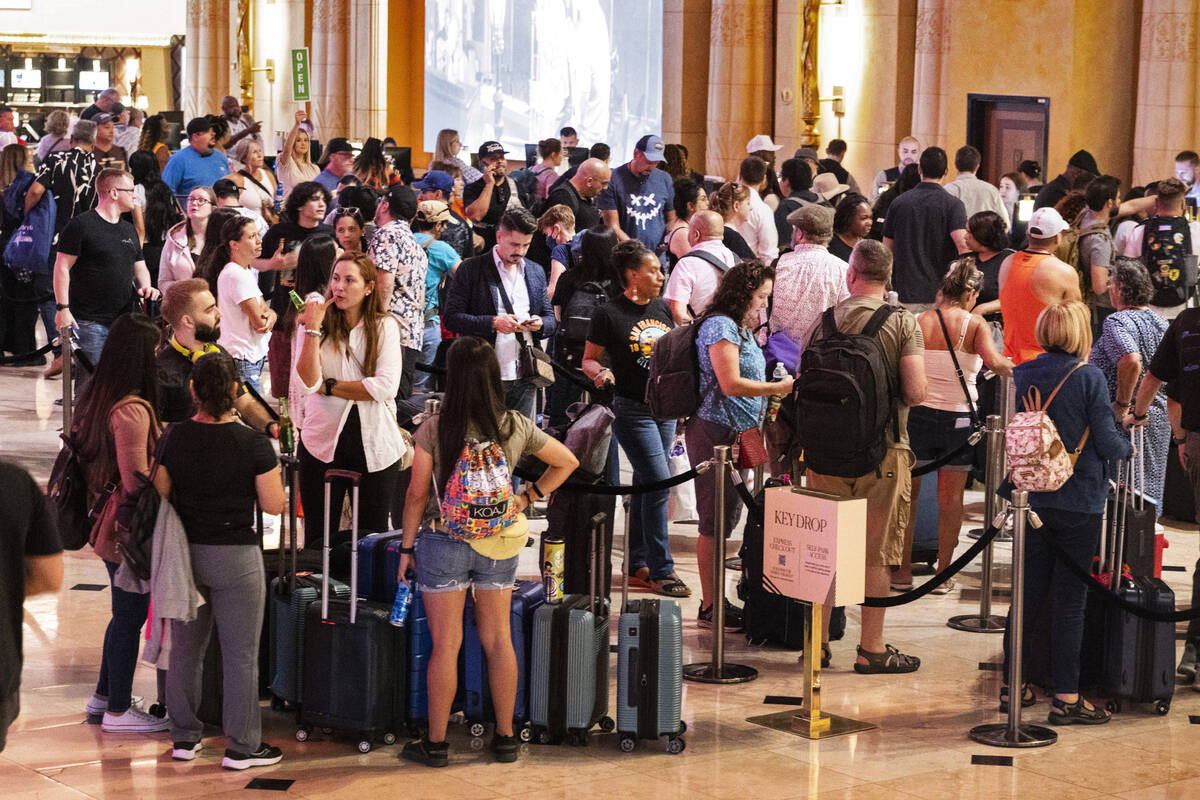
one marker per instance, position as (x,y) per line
(472,411)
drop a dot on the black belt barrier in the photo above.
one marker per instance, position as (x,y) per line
(41,351)
(8,298)
(645,488)
(1109,596)
(955,567)
(937,464)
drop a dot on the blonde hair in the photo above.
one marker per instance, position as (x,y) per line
(1065,326)
(724,198)
(13,160)
(441,150)
(58,122)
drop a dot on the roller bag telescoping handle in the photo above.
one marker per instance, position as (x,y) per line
(353,477)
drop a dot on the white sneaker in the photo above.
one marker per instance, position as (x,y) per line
(97,705)
(134,720)
(185,751)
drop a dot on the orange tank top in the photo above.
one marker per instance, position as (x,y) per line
(1020,307)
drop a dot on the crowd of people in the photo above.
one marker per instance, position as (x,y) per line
(337,286)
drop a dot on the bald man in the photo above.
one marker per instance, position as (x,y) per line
(579,193)
(241,124)
(695,278)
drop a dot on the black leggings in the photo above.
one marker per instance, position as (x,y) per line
(375,489)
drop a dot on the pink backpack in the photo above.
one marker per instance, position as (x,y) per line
(1038,460)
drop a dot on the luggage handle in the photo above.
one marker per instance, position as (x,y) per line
(625,503)
(353,477)
(289,464)
(594,562)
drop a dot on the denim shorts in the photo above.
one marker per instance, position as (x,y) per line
(933,433)
(445,564)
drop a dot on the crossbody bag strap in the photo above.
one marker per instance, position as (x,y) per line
(962,381)
(255,181)
(508,306)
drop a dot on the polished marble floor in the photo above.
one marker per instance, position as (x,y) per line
(920,748)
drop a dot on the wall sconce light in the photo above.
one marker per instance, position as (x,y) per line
(1025,207)
(269,69)
(839,105)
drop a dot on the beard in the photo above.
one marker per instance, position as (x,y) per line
(208,333)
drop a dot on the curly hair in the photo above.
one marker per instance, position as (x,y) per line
(629,256)
(302,193)
(1131,276)
(847,211)
(964,276)
(737,288)
(989,229)
(724,198)
(212,378)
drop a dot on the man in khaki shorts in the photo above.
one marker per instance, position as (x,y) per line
(888,489)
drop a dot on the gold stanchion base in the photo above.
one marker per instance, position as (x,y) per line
(797,723)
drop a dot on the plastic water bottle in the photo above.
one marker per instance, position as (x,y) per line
(775,401)
(892,298)
(679,448)
(400,607)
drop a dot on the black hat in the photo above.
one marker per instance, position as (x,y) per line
(226,188)
(401,201)
(1084,161)
(338,145)
(199,125)
(491,148)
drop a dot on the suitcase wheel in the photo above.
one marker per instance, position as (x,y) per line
(302,734)
(543,736)
(627,744)
(675,745)
(525,734)
(1161,707)
(477,744)
(364,746)
(389,738)
(1112,706)
(608,724)
(577,738)
(159,710)
(682,726)
(477,729)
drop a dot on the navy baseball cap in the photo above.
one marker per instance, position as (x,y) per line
(651,147)
(435,180)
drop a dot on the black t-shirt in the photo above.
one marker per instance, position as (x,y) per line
(585,211)
(1175,363)
(26,529)
(990,291)
(500,196)
(840,248)
(736,244)
(628,331)
(174,384)
(919,224)
(292,235)
(102,286)
(212,469)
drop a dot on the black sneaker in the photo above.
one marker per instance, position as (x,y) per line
(431,754)
(504,748)
(264,756)
(186,751)
(733,617)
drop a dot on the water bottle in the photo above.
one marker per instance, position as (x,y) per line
(892,298)
(679,448)
(400,607)
(774,401)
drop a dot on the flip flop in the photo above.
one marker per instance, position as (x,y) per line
(671,587)
(641,579)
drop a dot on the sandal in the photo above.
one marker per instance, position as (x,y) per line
(902,587)
(890,661)
(640,579)
(946,588)
(1077,713)
(826,656)
(1028,698)
(671,587)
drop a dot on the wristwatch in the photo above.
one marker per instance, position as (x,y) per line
(329,384)
(61,306)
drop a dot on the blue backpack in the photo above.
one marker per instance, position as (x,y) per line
(28,250)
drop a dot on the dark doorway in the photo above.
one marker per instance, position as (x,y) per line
(1007,129)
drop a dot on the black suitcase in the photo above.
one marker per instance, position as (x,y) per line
(567,517)
(768,617)
(1139,654)
(355,662)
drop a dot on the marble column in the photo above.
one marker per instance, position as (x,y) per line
(367,98)
(207,70)
(686,35)
(332,68)
(1168,92)
(741,81)
(930,73)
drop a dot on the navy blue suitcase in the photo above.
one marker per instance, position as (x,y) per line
(354,675)
(373,581)
(420,646)
(473,672)
(1139,654)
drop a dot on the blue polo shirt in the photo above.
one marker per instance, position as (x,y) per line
(188,169)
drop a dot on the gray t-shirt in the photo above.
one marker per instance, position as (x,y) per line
(1095,247)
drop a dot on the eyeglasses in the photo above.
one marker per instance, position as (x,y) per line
(198,201)
(123,190)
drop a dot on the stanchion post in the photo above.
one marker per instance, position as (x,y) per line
(68,375)
(717,671)
(1013,733)
(985,621)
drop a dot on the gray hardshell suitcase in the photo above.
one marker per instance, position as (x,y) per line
(568,691)
(649,667)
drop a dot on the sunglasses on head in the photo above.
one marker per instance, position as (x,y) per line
(353,213)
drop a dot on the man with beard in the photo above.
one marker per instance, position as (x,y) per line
(191,310)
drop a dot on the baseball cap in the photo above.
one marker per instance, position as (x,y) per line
(338,144)
(762,142)
(491,148)
(651,147)
(226,188)
(433,211)
(807,152)
(115,109)
(435,180)
(104,118)
(1045,222)
(198,125)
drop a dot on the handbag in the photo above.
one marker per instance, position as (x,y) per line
(533,364)
(136,516)
(749,448)
(107,534)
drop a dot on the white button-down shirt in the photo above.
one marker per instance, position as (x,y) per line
(323,418)
(508,345)
(808,280)
(759,229)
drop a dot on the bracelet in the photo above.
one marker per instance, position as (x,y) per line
(316,334)
(1140,418)
(1181,441)
(533,487)
(1122,405)
(406,551)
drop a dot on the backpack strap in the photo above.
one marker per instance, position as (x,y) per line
(962,381)
(704,255)
(828,324)
(1070,372)
(877,320)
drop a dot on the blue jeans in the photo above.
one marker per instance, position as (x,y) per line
(430,339)
(1079,535)
(445,564)
(121,641)
(647,443)
(90,342)
(251,372)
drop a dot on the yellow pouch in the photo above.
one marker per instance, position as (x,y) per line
(505,544)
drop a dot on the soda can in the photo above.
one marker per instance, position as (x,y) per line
(553,553)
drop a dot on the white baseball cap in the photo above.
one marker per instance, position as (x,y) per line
(762,142)
(1045,223)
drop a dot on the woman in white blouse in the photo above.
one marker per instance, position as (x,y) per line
(347,364)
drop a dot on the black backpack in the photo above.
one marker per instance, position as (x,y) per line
(68,495)
(577,318)
(1166,244)
(844,399)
